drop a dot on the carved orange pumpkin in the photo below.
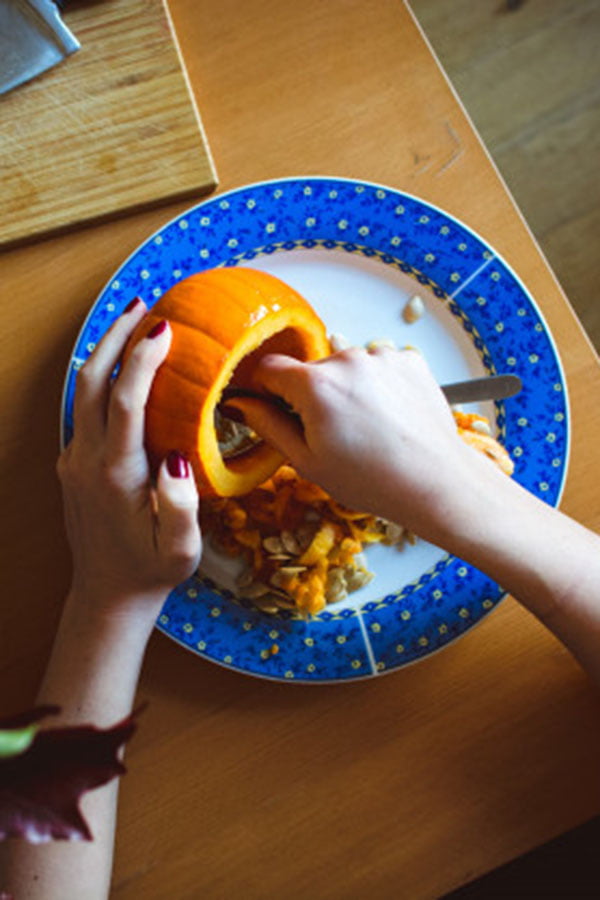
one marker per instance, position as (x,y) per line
(222,320)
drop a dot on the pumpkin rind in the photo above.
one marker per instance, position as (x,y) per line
(217,318)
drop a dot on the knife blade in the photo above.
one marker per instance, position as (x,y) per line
(489,387)
(33,39)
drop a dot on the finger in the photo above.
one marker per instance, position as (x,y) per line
(93,380)
(179,538)
(278,428)
(127,407)
(283,375)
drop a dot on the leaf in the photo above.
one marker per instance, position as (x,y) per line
(16,740)
(17,732)
(40,789)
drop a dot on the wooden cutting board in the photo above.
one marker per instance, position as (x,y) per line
(110,129)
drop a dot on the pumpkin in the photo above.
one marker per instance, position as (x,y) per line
(222,321)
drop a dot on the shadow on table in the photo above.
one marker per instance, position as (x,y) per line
(565,868)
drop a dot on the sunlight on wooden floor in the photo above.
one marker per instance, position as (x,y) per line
(528,73)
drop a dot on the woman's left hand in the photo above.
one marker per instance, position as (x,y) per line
(132,540)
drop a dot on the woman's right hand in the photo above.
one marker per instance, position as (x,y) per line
(376,431)
(378,434)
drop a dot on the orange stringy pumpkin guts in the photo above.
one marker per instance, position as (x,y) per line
(475,431)
(301,549)
(222,320)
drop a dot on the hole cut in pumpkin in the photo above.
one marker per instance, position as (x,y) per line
(289,342)
(222,321)
(234,437)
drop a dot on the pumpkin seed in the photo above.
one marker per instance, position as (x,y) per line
(393,532)
(277,579)
(413,310)
(336,593)
(380,343)
(335,575)
(292,570)
(481,426)
(338,342)
(273,544)
(304,535)
(284,603)
(268,606)
(290,543)
(233,437)
(358,578)
(360,561)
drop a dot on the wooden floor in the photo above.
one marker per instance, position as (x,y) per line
(528,73)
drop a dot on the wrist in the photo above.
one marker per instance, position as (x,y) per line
(472,507)
(120,615)
(495,524)
(443,510)
(96,659)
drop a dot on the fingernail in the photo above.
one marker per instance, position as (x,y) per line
(158,329)
(132,304)
(177,465)
(232,413)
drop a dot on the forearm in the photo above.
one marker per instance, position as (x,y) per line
(92,675)
(95,663)
(547,561)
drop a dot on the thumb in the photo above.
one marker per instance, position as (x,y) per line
(280,429)
(178,533)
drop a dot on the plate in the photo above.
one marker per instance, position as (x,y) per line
(358,251)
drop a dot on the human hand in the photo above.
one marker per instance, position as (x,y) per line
(377,432)
(131,541)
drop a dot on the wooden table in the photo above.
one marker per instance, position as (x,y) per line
(403,787)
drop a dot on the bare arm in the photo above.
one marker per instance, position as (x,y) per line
(379,436)
(546,560)
(131,544)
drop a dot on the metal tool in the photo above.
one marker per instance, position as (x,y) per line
(33,39)
(490,387)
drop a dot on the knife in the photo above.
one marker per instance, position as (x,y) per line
(490,387)
(33,39)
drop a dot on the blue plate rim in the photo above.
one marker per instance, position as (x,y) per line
(400,194)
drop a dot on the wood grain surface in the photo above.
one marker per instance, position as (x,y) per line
(111,129)
(405,786)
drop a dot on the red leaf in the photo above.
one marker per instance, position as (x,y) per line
(41,788)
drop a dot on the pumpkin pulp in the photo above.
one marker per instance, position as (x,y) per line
(222,321)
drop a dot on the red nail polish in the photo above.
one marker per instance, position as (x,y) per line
(158,329)
(177,465)
(132,304)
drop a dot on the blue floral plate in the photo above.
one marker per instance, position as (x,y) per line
(358,252)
